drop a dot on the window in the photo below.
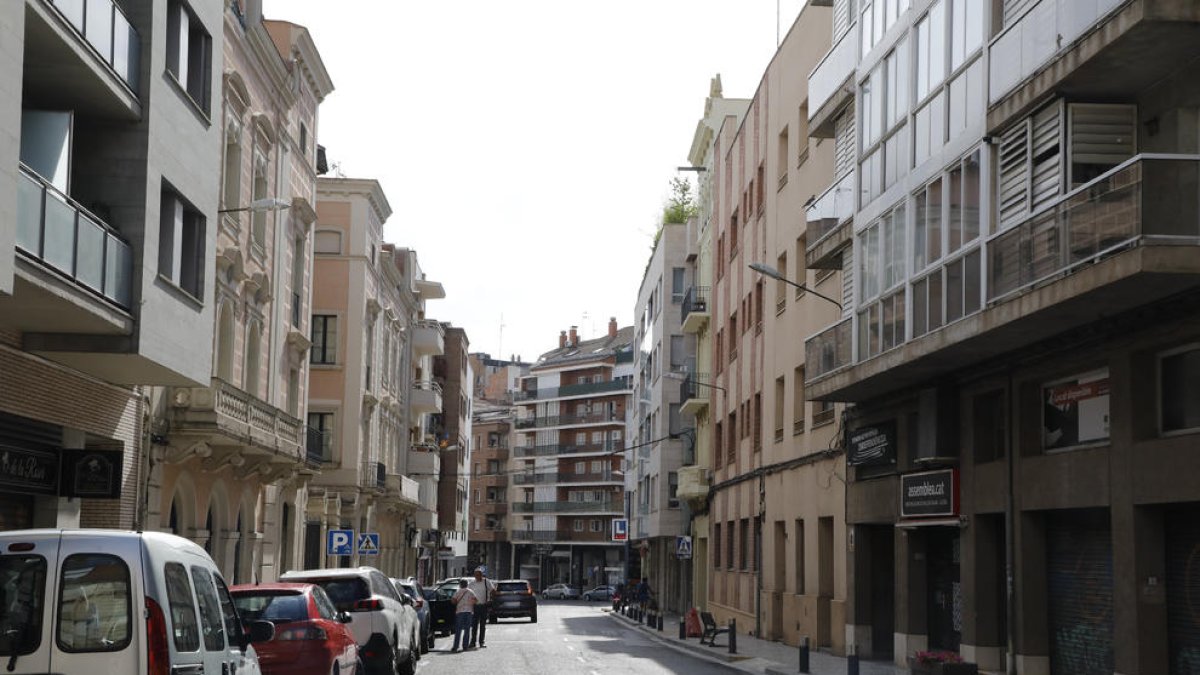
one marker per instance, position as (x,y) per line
(679,354)
(579,524)
(183,610)
(730,543)
(718,443)
(716,546)
(328,242)
(303,140)
(673,490)
(780,388)
(181,243)
(822,413)
(259,189)
(674,422)
(189,53)
(95,613)
(1075,411)
(733,234)
(597,526)
(798,400)
(678,275)
(580,468)
(782,158)
(798,555)
(322,422)
(990,423)
(966,30)
(744,555)
(324,339)
(931,49)
(1179,389)
(756,422)
(210,609)
(781,286)
(231,192)
(597,466)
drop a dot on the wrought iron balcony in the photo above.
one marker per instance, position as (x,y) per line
(556,477)
(58,232)
(380,475)
(573,390)
(314,447)
(694,392)
(694,310)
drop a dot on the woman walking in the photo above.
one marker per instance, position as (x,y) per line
(464,611)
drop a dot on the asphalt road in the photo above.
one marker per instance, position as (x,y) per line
(570,637)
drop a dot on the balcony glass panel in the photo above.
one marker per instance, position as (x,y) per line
(59,231)
(89,264)
(118,272)
(72,10)
(828,350)
(99,27)
(834,207)
(29,215)
(833,70)
(126,50)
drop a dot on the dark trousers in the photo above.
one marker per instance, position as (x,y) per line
(479,625)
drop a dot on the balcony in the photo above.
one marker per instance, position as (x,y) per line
(403,491)
(568,420)
(585,389)
(490,533)
(426,397)
(611,506)
(693,393)
(829,225)
(829,86)
(59,235)
(424,464)
(1097,50)
(1123,241)
(694,309)
(314,448)
(828,351)
(694,483)
(428,339)
(223,415)
(380,475)
(82,55)
(568,449)
(560,477)
(534,535)
(493,508)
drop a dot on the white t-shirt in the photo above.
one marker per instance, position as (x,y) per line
(483,589)
(464,600)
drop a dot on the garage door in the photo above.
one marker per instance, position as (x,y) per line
(1079,557)
(1183,589)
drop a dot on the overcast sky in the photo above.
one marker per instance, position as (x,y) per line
(526,145)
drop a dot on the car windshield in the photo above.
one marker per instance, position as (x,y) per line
(22,588)
(408,590)
(277,607)
(344,592)
(512,587)
(447,590)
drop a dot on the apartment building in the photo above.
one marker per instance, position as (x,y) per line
(656,431)
(452,428)
(570,434)
(489,545)
(109,195)
(368,300)
(696,391)
(776,510)
(497,379)
(232,472)
(1021,348)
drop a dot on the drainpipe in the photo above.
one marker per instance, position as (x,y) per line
(758,562)
(1010,665)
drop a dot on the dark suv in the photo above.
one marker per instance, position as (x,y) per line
(514,597)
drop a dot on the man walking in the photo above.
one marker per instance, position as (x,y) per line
(484,588)
(464,609)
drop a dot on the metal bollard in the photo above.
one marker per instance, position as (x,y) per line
(733,636)
(804,654)
(660,622)
(682,629)
(852,661)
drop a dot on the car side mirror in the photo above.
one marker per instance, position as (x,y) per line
(260,631)
(405,600)
(344,617)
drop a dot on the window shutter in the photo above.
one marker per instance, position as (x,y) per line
(843,130)
(1102,136)
(1013,9)
(1046,144)
(841,17)
(1013,202)
(847,282)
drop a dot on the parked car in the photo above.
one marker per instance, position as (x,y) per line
(311,637)
(560,592)
(441,608)
(599,593)
(102,601)
(414,590)
(513,598)
(383,622)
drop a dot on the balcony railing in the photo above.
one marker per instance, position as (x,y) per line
(104,27)
(573,390)
(565,420)
(314,447)
(56,230)
(695,386)
(1147,197)
(834,207)
(534,535)
(828,350)
(833,70)
(694,300)
(566,449)
(554,477)
(610,506)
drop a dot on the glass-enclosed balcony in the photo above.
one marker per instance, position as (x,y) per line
(826,90)
(57,231)
(825,234)
(108,32)
(569,390)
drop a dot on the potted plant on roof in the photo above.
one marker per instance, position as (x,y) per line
(940,662)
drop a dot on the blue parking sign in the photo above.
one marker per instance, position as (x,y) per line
(339,542)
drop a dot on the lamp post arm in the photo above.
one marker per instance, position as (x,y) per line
(806,289)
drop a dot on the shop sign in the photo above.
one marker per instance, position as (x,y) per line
(29,471)
(929,493)
(1075,411)
(95,474)
(872,445)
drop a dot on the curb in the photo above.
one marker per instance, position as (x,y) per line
(736,661)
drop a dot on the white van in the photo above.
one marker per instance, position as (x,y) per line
(101,601)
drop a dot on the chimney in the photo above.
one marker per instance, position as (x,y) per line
(612,327)
(574,336)
(562,339)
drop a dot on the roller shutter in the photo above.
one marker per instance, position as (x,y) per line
(843,131)
(1079,560)
(1013,9)
(1183,590)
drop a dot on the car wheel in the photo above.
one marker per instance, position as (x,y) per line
(533,618)
(429,642)
(335,670)
(360,668)
(408,665)
(493,619)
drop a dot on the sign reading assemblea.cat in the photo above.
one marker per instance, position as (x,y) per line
(872,445)
(929,493)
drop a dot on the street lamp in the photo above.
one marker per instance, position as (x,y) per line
(684,378)
(261,205)
(768,271)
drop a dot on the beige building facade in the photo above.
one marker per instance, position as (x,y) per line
(230,463)
(776,506)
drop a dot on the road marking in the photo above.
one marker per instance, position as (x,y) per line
(570,647)
(581,659)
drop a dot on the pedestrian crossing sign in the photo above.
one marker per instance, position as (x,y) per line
(683,548)
(368,543)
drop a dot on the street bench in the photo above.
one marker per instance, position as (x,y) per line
(711,629)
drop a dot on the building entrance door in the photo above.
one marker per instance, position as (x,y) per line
(881,552)
(944,595)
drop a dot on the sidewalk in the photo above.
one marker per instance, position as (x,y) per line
(761,657)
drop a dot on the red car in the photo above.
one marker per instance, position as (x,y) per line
(311,637)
